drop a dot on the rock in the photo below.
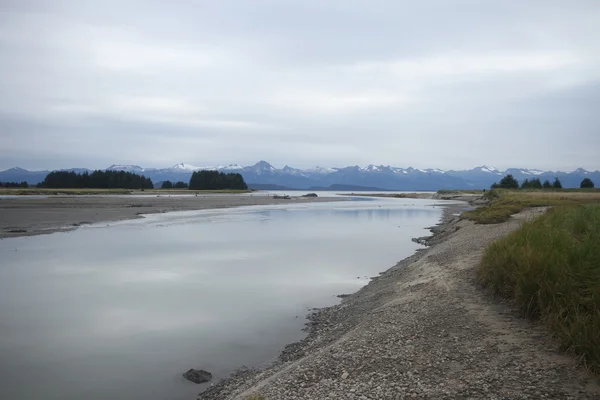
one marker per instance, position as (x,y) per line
(345,375)
(310,195)
(197,375)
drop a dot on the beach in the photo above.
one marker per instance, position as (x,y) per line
(423,329)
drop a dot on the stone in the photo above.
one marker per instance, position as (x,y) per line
(197,375)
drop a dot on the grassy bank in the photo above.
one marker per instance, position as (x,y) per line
(504,203)
(550,267)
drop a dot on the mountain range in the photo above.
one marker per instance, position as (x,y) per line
(263,174)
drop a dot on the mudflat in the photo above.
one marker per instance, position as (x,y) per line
(25,216)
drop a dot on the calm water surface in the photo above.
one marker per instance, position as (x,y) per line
(120,310)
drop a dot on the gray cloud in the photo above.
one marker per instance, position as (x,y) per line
(428,84)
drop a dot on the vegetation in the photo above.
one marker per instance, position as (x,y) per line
(587,183)
(180,185)
(170,185)
(504,203)
(96,180)
(531,184)
(508,182)
(214,180)
(550,268)
(14,184)
(446,191)
(557,184)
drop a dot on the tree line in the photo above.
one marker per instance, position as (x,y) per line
(14,184)
(509,182)
(214,180)
(200,180)
(177,185)
(96,180)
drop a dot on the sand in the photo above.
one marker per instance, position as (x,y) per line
(25,215)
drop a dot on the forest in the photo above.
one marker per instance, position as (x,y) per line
(96,180)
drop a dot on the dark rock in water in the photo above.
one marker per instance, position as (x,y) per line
(310,195)
(197,375)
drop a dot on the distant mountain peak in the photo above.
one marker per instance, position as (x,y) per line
(185,167)
(385,177)
(264,165)
(486,168)
(122,167)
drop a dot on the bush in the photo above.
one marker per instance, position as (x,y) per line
(550,268)
(587,184)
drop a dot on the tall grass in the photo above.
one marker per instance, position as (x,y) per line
(550,267)
(504,203)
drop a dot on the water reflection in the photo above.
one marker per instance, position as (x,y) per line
(121,311)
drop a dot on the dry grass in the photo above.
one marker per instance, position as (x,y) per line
(550,268)
(504,203)
(445,191)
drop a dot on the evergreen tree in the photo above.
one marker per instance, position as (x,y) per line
(181,185)
(14,184)
(167,185)
(536,183)
(96,180)
(547,184)
(557,184)
(586,183)
(215,180)
(508,182)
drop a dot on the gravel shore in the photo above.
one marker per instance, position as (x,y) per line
(26,216)
(424,329)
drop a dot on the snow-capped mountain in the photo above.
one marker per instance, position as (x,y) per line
(136,169)
(379,176)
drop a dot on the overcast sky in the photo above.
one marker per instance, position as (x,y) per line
(439,83)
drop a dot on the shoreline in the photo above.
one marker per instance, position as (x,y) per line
(27,216)
(425,329)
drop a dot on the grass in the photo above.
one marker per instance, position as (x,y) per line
(550,268)
(75,192)
(446,191)
(504,203)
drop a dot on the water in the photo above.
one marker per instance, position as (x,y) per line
(120,310)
